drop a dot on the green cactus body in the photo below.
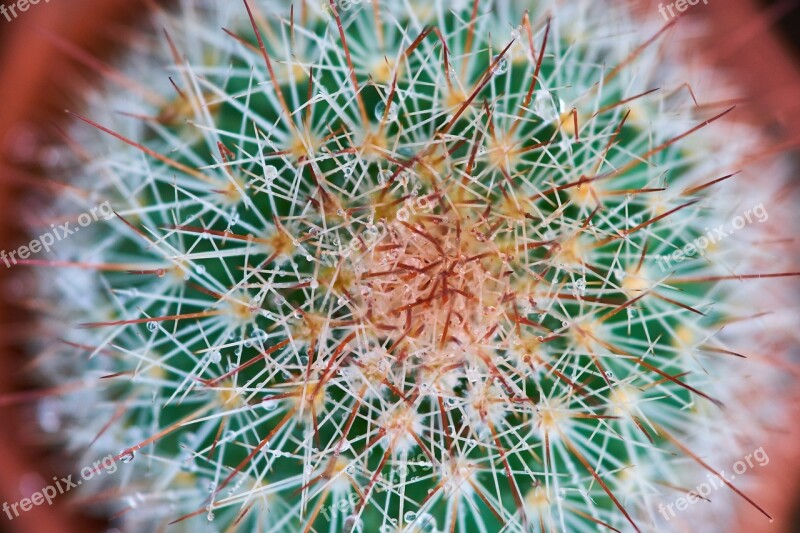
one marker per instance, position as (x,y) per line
(367,273)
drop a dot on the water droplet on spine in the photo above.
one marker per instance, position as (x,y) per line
(127,456)
(501,67)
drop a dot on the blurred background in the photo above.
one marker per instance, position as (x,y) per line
(48,55)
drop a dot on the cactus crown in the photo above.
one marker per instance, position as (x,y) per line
(393,266)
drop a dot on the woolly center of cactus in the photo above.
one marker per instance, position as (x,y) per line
(433,281)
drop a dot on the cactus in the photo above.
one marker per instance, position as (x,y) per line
(399,266)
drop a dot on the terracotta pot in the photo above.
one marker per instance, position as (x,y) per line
(32,93)
(745,41)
